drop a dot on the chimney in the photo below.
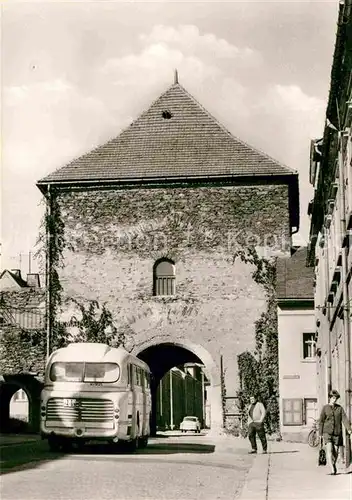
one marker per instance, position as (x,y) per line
(16,272)
(33,280)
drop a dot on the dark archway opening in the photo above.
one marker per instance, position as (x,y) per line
(161,358)
(8,387)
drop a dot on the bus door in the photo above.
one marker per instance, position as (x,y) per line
(137,401)
(144,402)
(132,403)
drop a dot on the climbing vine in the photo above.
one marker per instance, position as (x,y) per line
(51,244)
(96,325)
(21,350)
(223,393)
(259,371)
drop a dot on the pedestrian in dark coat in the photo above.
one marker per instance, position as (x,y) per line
(332,417)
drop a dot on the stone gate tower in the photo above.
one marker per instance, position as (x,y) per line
(153,221)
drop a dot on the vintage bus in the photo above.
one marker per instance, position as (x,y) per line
(93,391)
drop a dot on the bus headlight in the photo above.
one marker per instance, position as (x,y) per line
(117,413)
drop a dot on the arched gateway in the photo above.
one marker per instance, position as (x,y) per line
(9,385)
(156,224)
(161,356)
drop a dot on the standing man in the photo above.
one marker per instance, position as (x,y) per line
(330,428)
(256,415)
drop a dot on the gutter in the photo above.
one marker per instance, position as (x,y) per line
(296,302)
(147,180)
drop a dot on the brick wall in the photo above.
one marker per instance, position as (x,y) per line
(115,236)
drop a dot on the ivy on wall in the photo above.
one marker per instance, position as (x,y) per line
(259,371)
(97,325)
(51,244)
(21,350)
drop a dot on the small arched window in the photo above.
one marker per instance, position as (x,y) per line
(164,277)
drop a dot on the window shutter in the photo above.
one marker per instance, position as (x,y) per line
(292,411)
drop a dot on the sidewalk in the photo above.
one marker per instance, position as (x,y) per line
(290,471)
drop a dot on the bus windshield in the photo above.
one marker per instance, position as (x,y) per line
(84,372)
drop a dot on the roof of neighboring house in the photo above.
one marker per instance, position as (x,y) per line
(294,279)
(12,279)
(175,137)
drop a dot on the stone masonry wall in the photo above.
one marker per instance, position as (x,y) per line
(115,236)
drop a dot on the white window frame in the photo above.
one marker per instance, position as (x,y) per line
(313,347)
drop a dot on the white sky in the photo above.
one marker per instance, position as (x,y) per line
(75,73)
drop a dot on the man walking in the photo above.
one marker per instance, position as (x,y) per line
(256,415)
(332,417)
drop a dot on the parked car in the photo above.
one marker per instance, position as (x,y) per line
(190,424)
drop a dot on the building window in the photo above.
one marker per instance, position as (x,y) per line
(310,411)
(164,277)
(309,346)
(292,410)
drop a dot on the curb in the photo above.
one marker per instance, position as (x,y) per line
(6,442)
(256,480)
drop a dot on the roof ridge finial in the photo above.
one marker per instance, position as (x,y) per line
(176,76)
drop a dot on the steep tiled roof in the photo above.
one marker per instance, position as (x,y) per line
(15,277)
(294,279)
(175,137)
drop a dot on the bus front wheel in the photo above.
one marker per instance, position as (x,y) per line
(130,446)
(54,443)
(143,441)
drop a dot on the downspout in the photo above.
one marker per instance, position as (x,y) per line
(345,294)
(328,312)
(48,271)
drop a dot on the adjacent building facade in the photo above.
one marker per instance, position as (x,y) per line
(297,346)
(22,333)
(330,250)
(22,301)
